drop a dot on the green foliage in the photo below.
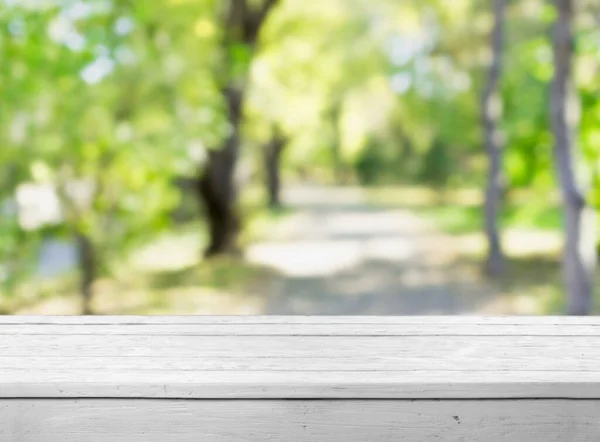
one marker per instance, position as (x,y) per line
(369,165)
(118,98)
(92,109)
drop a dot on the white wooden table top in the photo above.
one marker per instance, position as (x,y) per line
(299,357)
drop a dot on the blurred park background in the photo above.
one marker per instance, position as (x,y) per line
(299,157)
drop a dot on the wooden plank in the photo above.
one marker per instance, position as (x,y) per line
(308,358)
(172,384)
(199,319)
(391,363)
(270,421)
(405,353)
(427,328)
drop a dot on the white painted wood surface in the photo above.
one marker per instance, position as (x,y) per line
(133,379)
(130,420)
(310,357)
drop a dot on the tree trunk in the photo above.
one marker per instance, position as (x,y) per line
(336,154)
(87,267)
(579,252)
(492,111)
(339,172)
(216,187)
(272,158)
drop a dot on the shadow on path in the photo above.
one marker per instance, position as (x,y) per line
(339,255)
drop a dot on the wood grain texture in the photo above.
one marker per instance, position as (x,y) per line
(110,420)
(299,357)
(200,319)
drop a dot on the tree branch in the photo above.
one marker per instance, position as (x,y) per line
(254,21)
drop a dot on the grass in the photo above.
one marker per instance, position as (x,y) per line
(206,287)
(261,223)
(228,274)
(531,224)
(457,219)
(460,211)
(165,276)
(228,284)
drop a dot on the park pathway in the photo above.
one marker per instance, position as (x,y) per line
(336,253)
(339,255)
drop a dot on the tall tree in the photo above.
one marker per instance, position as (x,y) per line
(491,114)
(272,157)
(336,154)
(579,252)
(216,186)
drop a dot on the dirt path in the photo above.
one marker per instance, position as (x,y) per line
(339,255)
